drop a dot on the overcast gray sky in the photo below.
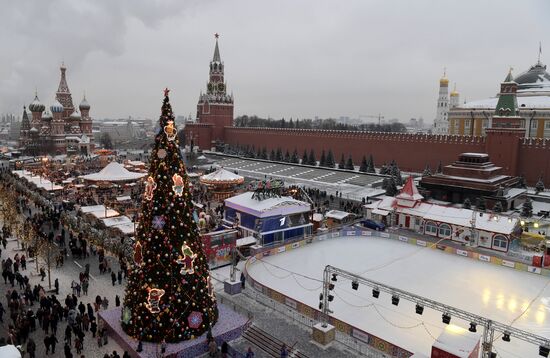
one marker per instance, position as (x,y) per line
(282,58)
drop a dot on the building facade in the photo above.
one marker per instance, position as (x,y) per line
(532,92)
(408,210)
(62,130)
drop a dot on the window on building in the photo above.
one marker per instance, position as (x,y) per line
(467,123)
(431,228)
(546,124)
(444,230)
(534,124)
(500,242)
(417,221)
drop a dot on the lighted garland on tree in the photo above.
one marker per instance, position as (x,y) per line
(169,294)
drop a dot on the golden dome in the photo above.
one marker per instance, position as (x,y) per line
(454,93)
(444,81)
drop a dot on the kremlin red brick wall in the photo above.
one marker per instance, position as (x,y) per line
(516,155)
(411,151)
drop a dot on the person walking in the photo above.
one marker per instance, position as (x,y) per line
(42,274)
(85,285)
(117,301)
(284,351)
(113,277)
(67,351)
(47,344)
(105,303)
(212,348)
(68,335)
(119,277)
(31,348)
(249,353)
(53,342)
(56,284)
(243,280)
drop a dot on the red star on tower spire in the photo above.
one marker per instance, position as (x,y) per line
(166,91)
(216,35)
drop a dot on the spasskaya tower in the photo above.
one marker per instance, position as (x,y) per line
(215,107)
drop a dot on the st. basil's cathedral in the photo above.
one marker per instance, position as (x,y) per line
(61,130)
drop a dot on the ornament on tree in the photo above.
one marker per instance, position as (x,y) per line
(178,184)
(153,300)
(150,187)
(161,153)
(170,131)
(195,319)
(187,261)
(159,222)
(126,315)
(138,256)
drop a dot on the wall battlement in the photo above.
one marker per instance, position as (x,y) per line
(326,133)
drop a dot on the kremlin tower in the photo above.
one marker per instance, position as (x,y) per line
(215,107)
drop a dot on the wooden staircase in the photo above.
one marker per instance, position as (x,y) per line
(269,344)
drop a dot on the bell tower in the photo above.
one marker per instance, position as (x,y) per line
(215,107)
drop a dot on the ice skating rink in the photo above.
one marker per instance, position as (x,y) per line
(499,293)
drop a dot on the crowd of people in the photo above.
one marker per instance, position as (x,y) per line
(70,323)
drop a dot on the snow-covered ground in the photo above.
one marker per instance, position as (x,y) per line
(499,293)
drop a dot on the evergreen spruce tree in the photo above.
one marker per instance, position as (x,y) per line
(264,153)
(287,157)
(259,153)
(349,164)
(396,174)
(169,295)
(342,164)
(272,155)
(279,155)
(527,208)
(311,159)
(391,187)
(370,165)
(427,171)
(323,160)
(467,204)
(521,182)
(364,165)
(252,152)
(497,208)
(481,204)
(439,168)
(384,169)
(294,159)
(305,160)
(330,159)
(539,186)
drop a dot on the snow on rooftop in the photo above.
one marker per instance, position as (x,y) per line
(523,102)
(99,211)
(117,220)
(222,175)
(337,214)
(113,172)
(283,205)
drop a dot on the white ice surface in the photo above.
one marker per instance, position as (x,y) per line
(499,293)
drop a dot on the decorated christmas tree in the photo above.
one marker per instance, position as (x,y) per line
(169,294)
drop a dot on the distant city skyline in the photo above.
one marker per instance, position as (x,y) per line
(283,59)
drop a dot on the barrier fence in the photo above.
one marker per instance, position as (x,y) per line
(347,334)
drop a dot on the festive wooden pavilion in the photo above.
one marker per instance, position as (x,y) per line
(222,183)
